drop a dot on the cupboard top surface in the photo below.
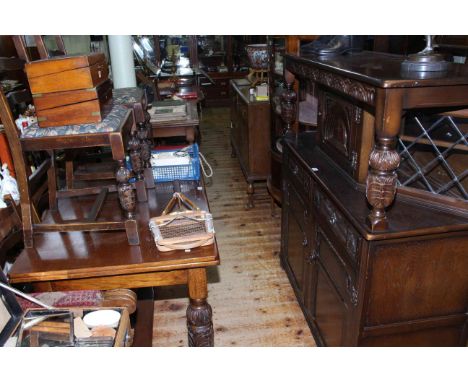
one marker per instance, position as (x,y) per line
(405,218)
(383,70)
(242,87)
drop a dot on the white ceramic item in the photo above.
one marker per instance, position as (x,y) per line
(105,317)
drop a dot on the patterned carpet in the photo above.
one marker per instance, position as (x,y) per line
(252,300)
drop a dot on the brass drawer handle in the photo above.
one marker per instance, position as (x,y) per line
(352,291)
(313,256)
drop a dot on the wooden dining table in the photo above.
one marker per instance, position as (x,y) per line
(104,260)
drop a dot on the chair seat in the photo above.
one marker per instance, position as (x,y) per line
(124,298)
(124,96)
(111,122)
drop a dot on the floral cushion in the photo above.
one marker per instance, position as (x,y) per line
(125,96)
(64,299)
(111,122)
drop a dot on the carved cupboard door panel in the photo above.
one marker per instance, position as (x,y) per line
(340,127)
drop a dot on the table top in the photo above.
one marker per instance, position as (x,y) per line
(382,70)
(190,120)
(74,255)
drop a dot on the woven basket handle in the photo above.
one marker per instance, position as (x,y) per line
(176,197)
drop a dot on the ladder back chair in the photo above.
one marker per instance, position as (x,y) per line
(113,131)
(139,144)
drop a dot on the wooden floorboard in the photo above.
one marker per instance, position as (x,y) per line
(252,300)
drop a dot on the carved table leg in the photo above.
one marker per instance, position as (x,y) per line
(381,181)
(134,146)
(250,193)
(127,201)
(199,313)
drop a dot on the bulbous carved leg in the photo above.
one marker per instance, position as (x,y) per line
(134,146)
(199,323)
(125,190)
(127,201)
(144,133)
(381,181)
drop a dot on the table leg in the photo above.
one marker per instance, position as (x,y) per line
(250,193)
(199,313)
(190,134)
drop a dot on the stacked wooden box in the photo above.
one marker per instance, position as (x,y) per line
(69,90)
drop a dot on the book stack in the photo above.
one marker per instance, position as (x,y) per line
(169,110)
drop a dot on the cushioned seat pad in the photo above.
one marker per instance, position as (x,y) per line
(111,122)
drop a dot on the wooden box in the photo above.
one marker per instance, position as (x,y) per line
(72,107)
(69,90)
(52,332)
(66,73)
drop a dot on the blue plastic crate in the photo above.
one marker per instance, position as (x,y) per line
(190,171)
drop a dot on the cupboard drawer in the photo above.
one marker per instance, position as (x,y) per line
(343,233)
(339,273)
(300,177)
(222,83)
(215,92)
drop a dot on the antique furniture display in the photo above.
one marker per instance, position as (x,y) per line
(215,86)
(90,260)
(250,135)
(394,275)
(219,62)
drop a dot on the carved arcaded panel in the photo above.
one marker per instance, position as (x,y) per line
(352,88)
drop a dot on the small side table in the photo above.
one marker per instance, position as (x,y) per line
(187,127)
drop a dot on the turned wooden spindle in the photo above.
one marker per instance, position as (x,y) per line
(134,147)
(125,191)
(144,134)
(288,102)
